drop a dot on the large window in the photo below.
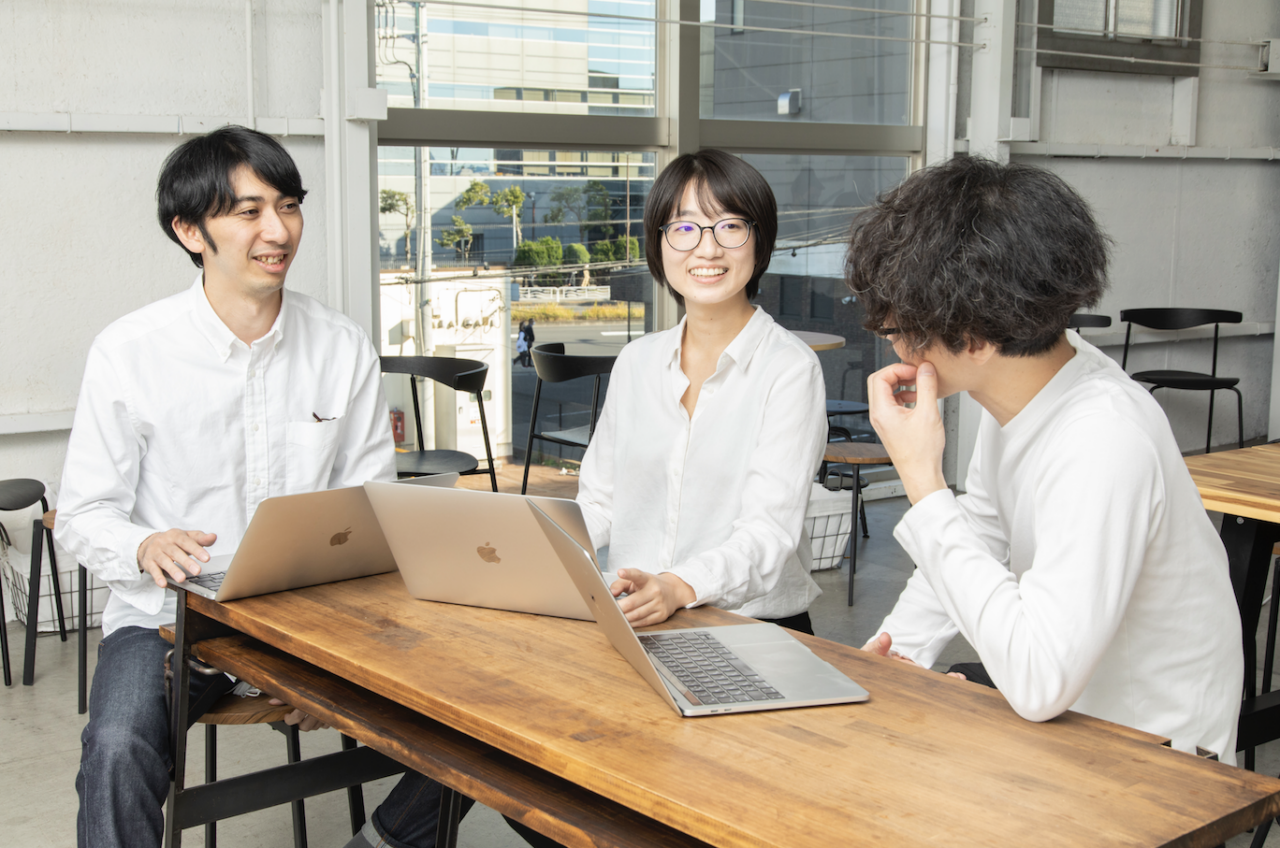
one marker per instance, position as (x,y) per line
(490,218)
(504,237)
(1087,34)
(841,66)
(804,289)
(591,57)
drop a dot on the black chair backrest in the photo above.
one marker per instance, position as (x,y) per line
(1176,318)
(461,375)
(552,365)
(1084,319)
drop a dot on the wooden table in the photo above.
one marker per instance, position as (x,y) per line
(1244,485)
(525,707)
(856,454)
(820,341)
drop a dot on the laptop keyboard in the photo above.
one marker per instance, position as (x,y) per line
(211,581)
(708,669)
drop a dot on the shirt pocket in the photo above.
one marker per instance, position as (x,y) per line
(310,448)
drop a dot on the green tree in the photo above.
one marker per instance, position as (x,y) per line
(392,201)
(546,252)
(508,204)
(614,250)
(576,254)
(458,237)
(476,194)
(590,206)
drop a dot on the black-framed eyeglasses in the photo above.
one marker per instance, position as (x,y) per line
(886,332)
(729,233)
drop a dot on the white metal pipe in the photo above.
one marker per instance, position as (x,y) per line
(251,118)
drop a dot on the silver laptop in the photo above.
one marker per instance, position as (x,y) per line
(480,549)
(298,540)
(732,669)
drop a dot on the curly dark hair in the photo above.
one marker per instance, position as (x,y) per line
(971,251)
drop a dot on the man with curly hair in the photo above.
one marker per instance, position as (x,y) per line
(1080,562)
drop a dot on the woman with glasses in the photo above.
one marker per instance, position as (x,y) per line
(700,469)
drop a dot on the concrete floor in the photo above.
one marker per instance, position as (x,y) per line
(39,726)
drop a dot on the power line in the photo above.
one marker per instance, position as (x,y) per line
(701,24)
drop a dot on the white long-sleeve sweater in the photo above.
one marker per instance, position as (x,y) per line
(1081,566)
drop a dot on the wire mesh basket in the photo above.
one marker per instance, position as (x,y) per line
(15,571)
(829,520)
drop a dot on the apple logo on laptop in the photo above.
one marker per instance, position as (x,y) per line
(487,553)
(340,538)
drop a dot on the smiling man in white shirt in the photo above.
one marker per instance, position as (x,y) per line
(1080,562)
(193,410)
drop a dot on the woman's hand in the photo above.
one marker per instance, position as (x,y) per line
(882,645)
(651,598)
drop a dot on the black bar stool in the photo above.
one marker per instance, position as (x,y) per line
(20,494)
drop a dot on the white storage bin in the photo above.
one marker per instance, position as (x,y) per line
(829,518)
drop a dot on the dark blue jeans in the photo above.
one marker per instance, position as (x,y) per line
(125,759)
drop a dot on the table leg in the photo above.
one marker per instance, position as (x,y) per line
(83,647)
(1249,543)
(853,532)
(178,721)
(449,819)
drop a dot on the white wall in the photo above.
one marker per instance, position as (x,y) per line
(78,232)
(1196,233)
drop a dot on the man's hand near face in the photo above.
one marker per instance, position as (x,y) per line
(159,554)
(915,437)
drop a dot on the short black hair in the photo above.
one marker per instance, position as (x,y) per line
(195,182)
(972,251)
(722,181)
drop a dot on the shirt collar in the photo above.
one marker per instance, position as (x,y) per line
(740,350)
(218,334)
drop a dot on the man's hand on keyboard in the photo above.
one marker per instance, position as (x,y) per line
(651,598)
(159,554)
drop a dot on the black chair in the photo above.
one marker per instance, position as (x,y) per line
(1085,319)
(553,365)
(461,375)
(21,494)
(1185,319)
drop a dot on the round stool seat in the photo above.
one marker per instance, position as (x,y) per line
(20,493)
(856,453)
(232,709)
(424,463)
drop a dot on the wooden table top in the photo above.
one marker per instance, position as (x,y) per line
(856,453)
(929,760)
(1240,482)
(820,341)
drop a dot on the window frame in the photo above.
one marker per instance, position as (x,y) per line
(1111,54)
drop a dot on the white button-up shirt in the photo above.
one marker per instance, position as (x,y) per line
(181,424)
(717,499)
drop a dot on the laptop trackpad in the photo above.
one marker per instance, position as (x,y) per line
(783,660)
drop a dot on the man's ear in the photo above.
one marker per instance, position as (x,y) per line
(191,235)
(980,351)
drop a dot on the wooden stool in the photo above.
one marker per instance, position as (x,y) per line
(856,454)
(231,709)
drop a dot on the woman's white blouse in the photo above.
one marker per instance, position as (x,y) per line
(719,499)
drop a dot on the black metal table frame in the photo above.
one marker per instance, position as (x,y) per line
(197,805)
